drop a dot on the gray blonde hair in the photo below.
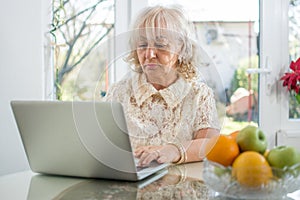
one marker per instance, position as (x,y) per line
(171,19)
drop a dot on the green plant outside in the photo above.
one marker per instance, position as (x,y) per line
(240,77)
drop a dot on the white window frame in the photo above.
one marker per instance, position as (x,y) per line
(274,54)
(125,10)
(48,75)
(291,127)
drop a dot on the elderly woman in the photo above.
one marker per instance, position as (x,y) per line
(169,112)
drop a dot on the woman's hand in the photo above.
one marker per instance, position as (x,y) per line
(162,154)
(170,153)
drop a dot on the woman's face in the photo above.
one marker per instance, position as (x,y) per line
(158,56)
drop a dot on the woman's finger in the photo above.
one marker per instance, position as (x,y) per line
(147,157)
(138,153)
(140,150)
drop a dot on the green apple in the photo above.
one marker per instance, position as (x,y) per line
(251,138)
(283,156)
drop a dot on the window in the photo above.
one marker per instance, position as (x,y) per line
(276,54)
(257,34)
(84,50)
(230,39)
(82,47)
(234,40)
(294,49)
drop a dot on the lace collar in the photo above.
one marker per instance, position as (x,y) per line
(172,94)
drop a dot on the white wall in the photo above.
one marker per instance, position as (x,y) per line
(21,72)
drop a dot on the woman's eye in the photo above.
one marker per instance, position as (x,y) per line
(161,46)
(142,46)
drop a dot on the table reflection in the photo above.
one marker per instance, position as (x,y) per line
(174,183)
(177,182)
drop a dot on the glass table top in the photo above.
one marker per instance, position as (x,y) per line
(177,182)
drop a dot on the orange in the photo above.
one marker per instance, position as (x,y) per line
(222,149)
(251,169)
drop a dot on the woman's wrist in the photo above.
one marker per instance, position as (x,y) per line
(182,153)
(177,152)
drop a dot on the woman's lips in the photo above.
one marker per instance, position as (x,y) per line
(151,65)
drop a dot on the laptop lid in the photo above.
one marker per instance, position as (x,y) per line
(86,139)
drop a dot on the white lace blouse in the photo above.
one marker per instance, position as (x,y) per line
(156,117)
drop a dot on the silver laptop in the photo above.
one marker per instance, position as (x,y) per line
(84,139)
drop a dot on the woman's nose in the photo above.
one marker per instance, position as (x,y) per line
(150,52)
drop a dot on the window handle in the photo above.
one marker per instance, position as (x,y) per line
(265,70)
(261,70)
(258,71)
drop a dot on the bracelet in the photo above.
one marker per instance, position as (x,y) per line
(183,156)
(180,171)
(183,173)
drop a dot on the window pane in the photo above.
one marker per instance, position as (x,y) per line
(229,37)
(81,29)
(294,46)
